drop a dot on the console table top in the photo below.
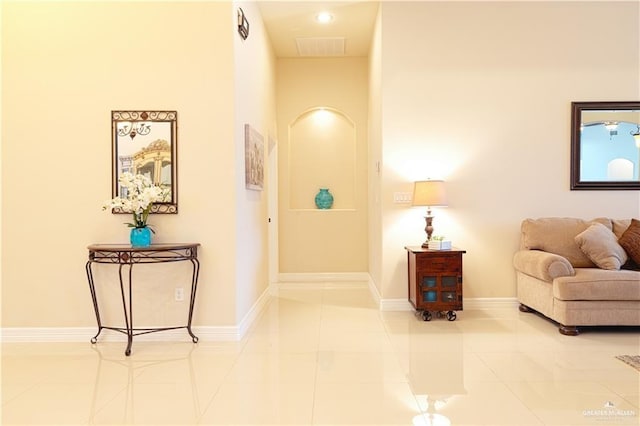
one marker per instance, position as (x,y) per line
(153,247)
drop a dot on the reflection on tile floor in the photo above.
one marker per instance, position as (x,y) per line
(329,357)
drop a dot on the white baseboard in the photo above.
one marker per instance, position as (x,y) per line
(488,303)
(253,314)
(84,334)
(374,291)
(330,278)
(237,332)
(479,303)
(395,305)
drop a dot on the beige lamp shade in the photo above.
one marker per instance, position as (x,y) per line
(429,193)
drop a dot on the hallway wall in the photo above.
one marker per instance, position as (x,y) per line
(313,240)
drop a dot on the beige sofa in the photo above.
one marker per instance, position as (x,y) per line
(577,272)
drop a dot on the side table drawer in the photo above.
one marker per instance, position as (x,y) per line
(439,263)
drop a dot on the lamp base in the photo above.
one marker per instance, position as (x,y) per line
(428,228)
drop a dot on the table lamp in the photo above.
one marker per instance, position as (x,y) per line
(429,193)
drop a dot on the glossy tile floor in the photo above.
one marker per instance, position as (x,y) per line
(329,357)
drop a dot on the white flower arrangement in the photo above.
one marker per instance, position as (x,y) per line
(138,198)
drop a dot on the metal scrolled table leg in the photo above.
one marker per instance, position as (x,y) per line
(94,298)
(128,317)
(192,300)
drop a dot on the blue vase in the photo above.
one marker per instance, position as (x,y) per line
(324,199)
(140,237)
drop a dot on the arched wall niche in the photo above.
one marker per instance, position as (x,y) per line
(322,154)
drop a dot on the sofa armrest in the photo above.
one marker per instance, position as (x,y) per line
(542,265)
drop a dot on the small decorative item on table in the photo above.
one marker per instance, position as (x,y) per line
(324,199)
(141,193)
(439,243)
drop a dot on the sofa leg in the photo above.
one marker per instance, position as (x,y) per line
(524,308)
(569,330)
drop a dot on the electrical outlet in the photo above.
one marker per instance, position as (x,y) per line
(179,294)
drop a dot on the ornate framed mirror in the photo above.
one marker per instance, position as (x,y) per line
(605,145)
(145,142)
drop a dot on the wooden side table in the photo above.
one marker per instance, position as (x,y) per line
(126,256)
(435,281)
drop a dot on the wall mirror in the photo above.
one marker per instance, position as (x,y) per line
(605,145)
(145,142)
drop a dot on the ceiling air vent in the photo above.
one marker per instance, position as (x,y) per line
(320,46)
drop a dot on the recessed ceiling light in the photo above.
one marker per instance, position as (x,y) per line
(324,17)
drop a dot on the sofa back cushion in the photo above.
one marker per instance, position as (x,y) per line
(557,235)
(619,226)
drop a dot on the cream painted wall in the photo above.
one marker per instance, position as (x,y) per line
(483,102)
(254,105)
(375,155)
(311,240)
(65,66)
(479,94)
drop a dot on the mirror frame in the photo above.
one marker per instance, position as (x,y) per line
(168,207)
(576,120)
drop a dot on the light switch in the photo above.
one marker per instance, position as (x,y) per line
(402,198)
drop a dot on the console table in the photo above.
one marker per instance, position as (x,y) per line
(126,256)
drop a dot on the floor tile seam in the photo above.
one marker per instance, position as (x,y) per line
(557,358)
(28,389)
(364,382)
(356,352)
(632,399)
(323,314)
(315,381)
(509,384)
(277,352)
(578,384)
(207,405)
(523,403)
(221,382)
(633,378)
(94,412)
(635,403)
(487,366)
(317,363)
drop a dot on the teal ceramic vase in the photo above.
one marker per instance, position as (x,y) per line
(324,199)
(140,237)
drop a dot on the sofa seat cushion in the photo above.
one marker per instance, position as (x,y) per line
(556,235)
(598,284)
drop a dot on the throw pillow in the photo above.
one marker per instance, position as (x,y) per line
(630,240)
(631,265)
(600,245)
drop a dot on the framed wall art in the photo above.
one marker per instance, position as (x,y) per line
(253,158)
